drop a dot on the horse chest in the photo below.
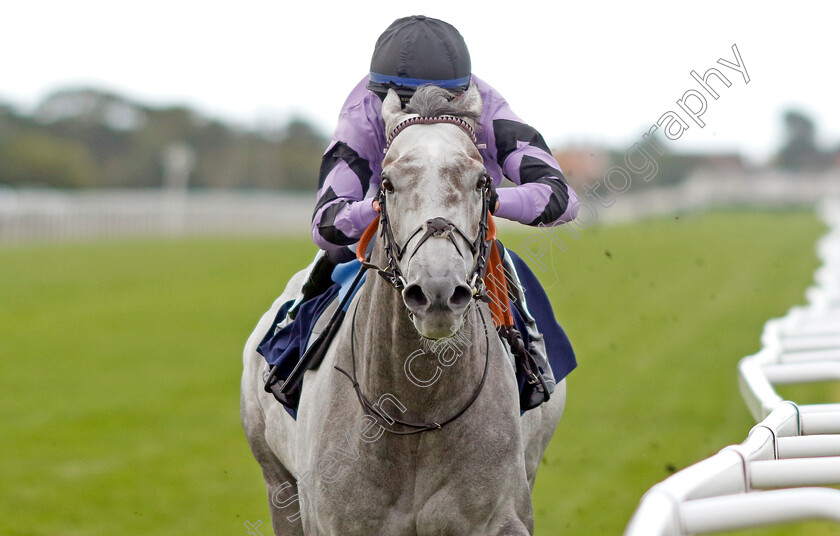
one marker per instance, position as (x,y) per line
(350,486)
(357,479)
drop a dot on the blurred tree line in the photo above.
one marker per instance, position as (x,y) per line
(798,152)
(92,138)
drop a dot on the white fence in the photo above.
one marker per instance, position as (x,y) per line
(716,189)
(33,215)
(775,475)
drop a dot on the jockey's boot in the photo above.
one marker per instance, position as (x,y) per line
(320,275)
(541,384)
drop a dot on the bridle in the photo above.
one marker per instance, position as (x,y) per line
(394,253)
(435,227)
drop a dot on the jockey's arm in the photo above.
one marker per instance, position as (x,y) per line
(349,169)
(541,195)
(342,212)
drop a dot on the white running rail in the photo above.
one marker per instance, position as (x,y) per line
(775,475)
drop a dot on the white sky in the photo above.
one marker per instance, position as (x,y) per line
(583,72)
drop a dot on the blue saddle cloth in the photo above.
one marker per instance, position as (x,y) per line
(285,347)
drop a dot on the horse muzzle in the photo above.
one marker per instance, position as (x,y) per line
(437,304)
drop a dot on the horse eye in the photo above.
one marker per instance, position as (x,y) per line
(387,185)
(481,182)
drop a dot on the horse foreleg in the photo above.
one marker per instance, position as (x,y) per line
(283,501)
(281,488)
(538,427)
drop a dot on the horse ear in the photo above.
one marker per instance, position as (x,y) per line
(391,108)
(471,101)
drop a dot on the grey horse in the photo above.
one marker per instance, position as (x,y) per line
(428,354)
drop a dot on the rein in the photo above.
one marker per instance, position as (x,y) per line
(414,427)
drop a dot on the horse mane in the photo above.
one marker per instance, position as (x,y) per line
(433,101)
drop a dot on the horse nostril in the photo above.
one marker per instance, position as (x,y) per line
(460,298)
(414,297)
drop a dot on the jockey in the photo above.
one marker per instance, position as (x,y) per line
(412,52)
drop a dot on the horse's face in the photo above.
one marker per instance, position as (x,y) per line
(433,171)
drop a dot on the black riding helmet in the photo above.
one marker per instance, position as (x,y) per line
(416,51)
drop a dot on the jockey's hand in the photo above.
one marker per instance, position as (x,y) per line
(375,205)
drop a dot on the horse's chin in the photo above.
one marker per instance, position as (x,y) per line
(437,325)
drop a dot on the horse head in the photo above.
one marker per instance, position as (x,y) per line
(434,199)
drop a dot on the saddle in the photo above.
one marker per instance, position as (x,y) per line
(304,327)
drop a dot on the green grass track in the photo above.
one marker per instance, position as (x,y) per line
(120,365)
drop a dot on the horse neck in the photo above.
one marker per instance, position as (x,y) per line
(385,338)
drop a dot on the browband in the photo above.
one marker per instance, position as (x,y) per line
(419,120)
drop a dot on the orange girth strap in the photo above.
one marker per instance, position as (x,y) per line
(496,282)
